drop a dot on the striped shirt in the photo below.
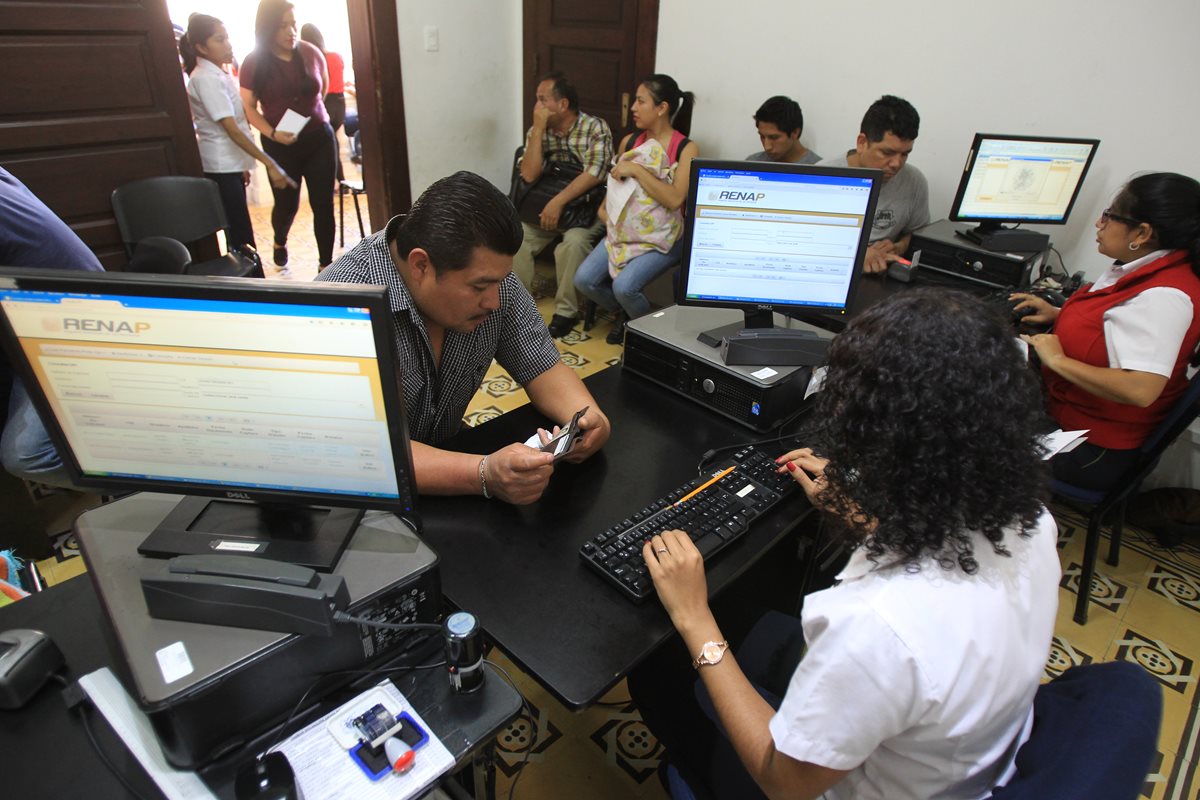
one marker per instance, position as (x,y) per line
(588,143)
(435,399)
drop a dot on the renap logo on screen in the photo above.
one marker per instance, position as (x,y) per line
(736,196)
(85,325)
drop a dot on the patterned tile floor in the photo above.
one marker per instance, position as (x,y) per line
(1146,611)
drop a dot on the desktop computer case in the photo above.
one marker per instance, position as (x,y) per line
(944,251)
(662,347)
(243,681)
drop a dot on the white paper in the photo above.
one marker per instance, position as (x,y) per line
(814,382)
(291,123)
(1063,441)
(174,663)
(324,769)
(764,373)
(132,725)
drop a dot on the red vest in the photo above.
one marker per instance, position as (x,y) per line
(1080,328)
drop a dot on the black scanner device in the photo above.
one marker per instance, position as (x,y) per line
(246,592)
(774,347)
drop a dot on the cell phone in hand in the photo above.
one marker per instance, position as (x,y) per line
(562,442)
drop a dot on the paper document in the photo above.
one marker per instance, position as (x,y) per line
(1062,441)
(292,123)
(133,726)
(324,768)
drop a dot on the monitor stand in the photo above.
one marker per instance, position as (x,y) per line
(993,236)
(310,536)
(757,342)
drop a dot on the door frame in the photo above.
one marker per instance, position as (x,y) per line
(375,51)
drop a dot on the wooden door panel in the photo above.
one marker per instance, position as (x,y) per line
(603,46)
(92,97)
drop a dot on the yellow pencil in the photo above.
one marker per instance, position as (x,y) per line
(705,485)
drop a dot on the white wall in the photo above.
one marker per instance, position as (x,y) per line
(462,103)
(1121,72)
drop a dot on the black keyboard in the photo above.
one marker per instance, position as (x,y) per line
(718,515)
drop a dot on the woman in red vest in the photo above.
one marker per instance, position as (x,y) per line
(1118,357)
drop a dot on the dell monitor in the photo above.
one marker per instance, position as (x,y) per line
(276,408)
(1019,179)
(765,237)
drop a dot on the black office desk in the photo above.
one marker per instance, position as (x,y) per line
(46,752)
(518,568)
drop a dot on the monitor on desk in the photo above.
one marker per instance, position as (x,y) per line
(765,237)
(1019,179)
(282,400)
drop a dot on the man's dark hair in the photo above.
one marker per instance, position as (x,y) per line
(891,114)
(455,215)
(930,418)
(782,112)
(563,89)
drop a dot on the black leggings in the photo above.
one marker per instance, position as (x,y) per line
(313,158)
(1092,467)
(237,214)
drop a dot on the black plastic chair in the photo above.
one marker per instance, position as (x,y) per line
(1110,504)
(185,209)
(354,189)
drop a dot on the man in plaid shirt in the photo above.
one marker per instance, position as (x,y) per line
(561,132)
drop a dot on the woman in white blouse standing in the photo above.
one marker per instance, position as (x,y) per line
(226,149)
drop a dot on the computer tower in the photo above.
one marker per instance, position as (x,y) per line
(209,689)
(945,251)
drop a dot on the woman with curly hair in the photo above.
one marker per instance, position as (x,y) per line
(922,662)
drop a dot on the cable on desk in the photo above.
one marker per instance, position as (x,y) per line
(342,616)
(778,438)
(77,699)
(512,787)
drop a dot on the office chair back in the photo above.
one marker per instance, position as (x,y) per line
(1095,732)
(178,206)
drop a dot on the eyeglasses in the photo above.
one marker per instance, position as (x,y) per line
(1108,214)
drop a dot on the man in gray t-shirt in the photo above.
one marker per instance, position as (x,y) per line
(888,131)
(780,123)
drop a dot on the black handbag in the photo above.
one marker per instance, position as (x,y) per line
(531,198)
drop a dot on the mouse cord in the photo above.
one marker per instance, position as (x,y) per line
(512,787)
(77,698)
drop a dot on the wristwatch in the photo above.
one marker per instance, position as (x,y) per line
(710,653)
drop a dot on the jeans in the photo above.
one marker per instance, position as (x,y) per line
(593,281)
(25,448)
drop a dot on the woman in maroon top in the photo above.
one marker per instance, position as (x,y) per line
(285,73)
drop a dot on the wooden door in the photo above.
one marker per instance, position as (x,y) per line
(603,46)
(92,97)
(375,46)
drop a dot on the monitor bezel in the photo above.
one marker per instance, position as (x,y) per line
(972,158)
(787,309)
(374,298)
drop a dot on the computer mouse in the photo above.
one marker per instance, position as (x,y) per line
(267,778)
(1022,313)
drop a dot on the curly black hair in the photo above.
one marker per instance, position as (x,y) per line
(931,420)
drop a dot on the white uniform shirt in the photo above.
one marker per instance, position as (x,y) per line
(921,683)
(1145,332)
(214,96)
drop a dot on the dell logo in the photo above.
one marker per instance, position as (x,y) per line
(237,495)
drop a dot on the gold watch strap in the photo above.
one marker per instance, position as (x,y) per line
(699,661)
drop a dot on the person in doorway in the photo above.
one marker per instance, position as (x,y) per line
(227,152)
(284,74)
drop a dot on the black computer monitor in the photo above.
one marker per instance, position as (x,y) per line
(1019,179)
(764,237)
(276,407)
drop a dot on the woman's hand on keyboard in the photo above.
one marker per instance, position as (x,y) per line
(807,469)
(677,569)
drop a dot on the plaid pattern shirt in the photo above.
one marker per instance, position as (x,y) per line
(436,398)
(589,143)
